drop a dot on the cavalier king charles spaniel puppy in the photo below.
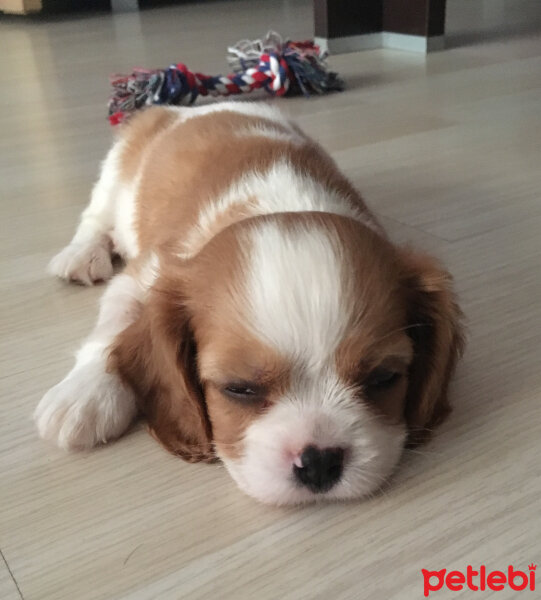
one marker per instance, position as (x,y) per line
(263,317)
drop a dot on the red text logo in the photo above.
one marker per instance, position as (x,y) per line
(480,580)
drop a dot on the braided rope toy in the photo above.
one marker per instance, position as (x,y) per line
(280,68)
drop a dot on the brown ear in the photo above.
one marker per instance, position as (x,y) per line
(437,334)
(156,356)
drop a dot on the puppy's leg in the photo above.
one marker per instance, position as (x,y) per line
(87,259)
(91,405)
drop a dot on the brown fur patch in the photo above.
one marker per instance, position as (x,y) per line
(138,133)
(438,340)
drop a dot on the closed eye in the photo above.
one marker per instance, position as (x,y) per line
(243,391)
(381,379)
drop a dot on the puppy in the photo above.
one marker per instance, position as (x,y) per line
(263,317)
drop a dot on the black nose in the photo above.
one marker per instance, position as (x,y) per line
(320,469)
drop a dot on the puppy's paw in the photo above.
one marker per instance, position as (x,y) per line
(84,263)
(88,407)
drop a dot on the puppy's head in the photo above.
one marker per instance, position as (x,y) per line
(303,350)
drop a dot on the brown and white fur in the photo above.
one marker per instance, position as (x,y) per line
(262,311)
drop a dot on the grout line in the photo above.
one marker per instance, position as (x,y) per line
(11,574)
(414,227)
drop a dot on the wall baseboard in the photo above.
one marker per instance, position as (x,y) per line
(381,39)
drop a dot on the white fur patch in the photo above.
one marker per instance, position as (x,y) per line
(87,258)
(99,216)
(88,407)
(124,234)
(290,136)
(280,189)
(91,405)
(298,297)
(149,271)
(254,109)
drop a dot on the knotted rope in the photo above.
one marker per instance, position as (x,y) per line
(280,68)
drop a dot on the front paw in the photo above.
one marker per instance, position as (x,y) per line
(83,263)
(88,407)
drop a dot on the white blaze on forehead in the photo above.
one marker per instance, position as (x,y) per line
(297,294)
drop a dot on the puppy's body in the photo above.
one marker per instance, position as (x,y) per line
(263,316)
(182,175)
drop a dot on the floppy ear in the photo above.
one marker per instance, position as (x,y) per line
(437,334)
(156,356)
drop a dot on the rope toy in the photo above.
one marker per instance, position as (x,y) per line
(281,68)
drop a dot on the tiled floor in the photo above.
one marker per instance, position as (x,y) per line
(447,150)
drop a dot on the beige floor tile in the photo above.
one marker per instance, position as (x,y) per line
(8,588)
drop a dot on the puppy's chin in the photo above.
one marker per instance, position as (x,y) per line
(265,468)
